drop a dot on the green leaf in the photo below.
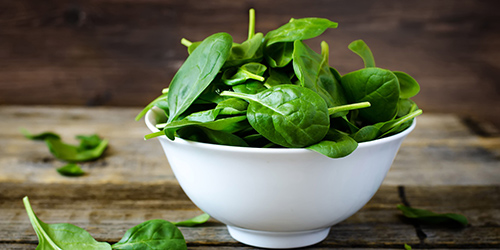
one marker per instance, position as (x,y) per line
(314,73)
(197,72)
(276,77)
(407,247)
(299,29)
(336,144)
(279,55)
(70,169)
(288,115)
(41,136)
(361,49)
(232,106)
(202,134)
(89,141)
(73,153)
(62,235)
(234,76)
(230,125)
(152,235)
(195,221)
(250,50)
(430,217)
(409,87)
(249,87)
(378,86)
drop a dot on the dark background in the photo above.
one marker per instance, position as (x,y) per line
(122,53)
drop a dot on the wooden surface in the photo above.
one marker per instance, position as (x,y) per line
(442,166)
(122,52)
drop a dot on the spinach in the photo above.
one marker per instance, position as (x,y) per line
(378,86)
(407,247)
(248,71)
(275,91)
(198,220)
(313,72)
(199,69)
(426,216)
(71,169)
(360,48)
(62,235)
(152,234)
(288,115)
(91,146)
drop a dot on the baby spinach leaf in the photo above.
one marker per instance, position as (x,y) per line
(430,217)
(406,106)
(89,141)
(232,106)
(378,86)
(203,116)
(63,235)
(195,221)
(279,55)
(407,84)
(197,72)
(288,115)
(276,77)
(250,50)
(71,169)
(230,125)
(73,153)
(249,87)
(407,247)
(299,29)
(314,73)
(336,144)
(41,136)
(153,234)
(202,134)
(234,76)
(361,49)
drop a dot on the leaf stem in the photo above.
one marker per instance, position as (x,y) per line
(251,24)
(407,117)
(153,135)
(348,107)
(237,95)
(186,42)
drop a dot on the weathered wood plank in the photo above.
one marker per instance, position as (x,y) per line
(377,225)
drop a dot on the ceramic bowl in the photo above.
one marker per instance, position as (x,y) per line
(278,197)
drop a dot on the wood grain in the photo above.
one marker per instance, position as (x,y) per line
(122,53)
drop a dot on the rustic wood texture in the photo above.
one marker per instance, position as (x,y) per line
(122,53)
(443,166)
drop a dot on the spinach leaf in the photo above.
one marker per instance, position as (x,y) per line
(276,77)
(407,247)
(250,50)
(195,221)
(378,86)
(73,153)
(63,235)
(336,144)
(89,141)
(202,134)
(71,169)
(359,47)
(430,217)
(333,111)
(288,115)
(406,106)
(234,76)
(299,29)
(313,72)
(152,234)
(232,106)
(249,87)
(197,72)
(279,42)
(407,84)
(41,136)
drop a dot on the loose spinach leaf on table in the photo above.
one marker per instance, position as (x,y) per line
(430,217)
(63,235)
(195,221)
(288,115)
(199,69)
(153,234)
(40,137)
(71,169)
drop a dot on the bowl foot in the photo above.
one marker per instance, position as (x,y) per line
(267,239)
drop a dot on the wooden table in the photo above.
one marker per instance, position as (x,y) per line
(442,166)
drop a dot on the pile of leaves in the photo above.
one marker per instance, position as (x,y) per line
(273,90)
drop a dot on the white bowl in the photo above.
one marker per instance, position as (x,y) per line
(278,197)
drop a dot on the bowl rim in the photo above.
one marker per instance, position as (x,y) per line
(148,120)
